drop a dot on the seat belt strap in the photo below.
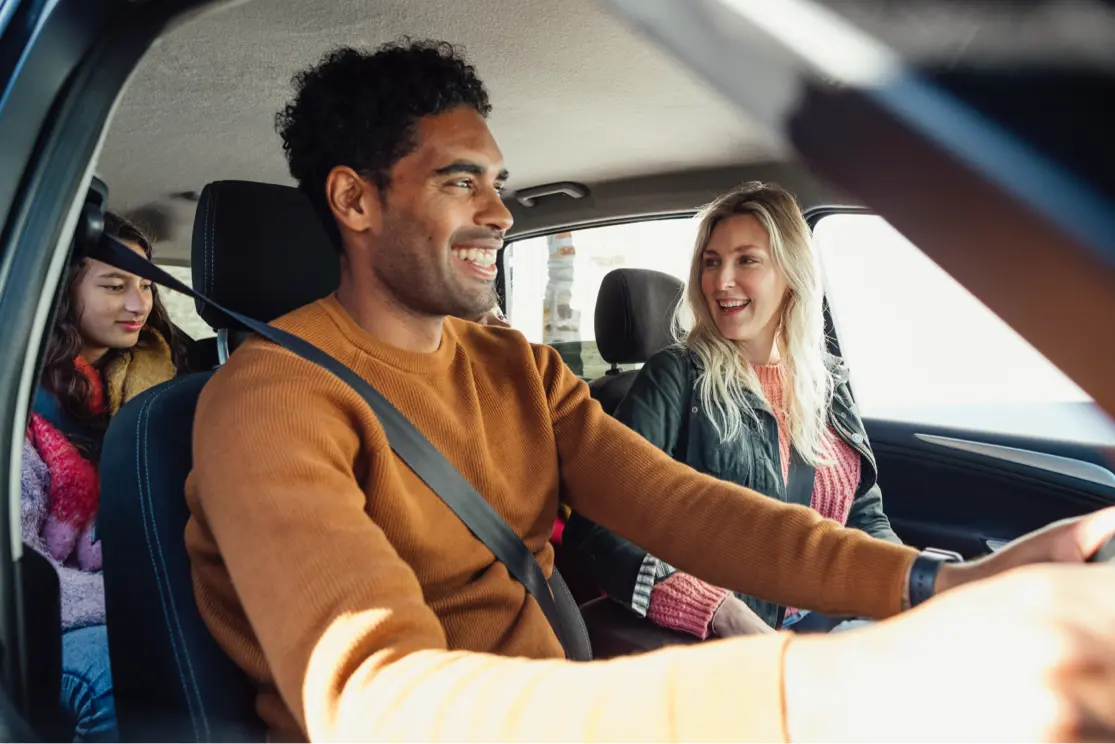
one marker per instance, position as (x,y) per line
(408,443)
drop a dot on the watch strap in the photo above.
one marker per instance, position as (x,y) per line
(923,573)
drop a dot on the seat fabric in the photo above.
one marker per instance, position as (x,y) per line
(634,310)
(259,249)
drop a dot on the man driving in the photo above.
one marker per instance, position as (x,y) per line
(364,609)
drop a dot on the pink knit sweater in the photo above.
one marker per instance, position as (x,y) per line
(835,485)
(688,604)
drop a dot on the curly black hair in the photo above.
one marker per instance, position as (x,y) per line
(361,109)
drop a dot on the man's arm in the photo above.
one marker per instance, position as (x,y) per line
(355,651)
(655,407)
(619,567)
(624,570)
(724,534)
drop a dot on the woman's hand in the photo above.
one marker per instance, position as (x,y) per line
(1028,655)
(735,618)
(1067,541)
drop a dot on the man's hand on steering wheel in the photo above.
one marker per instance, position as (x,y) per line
(1027,654)
(1067,541)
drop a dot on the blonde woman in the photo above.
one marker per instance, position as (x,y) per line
(749,394)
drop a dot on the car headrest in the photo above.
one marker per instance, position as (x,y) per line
(633,313)
(259,249)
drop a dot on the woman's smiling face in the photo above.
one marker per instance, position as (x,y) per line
(742,287)
(112,305)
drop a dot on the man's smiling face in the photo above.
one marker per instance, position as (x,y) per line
(444,218)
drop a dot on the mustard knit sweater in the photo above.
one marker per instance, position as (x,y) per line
(364,609)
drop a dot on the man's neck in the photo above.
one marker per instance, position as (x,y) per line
(386,320)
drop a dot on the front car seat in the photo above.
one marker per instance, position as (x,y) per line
(260,250)
(634,310)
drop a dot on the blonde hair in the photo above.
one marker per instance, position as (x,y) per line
(727,377)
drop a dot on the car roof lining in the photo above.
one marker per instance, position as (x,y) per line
(663,194)
(578,95)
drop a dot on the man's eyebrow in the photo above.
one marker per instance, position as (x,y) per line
(467,166)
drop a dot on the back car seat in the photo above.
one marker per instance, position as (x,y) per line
(634,309)
(259,249)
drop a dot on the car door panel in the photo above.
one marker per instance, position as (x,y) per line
(973,491)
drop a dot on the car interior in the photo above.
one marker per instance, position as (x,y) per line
(634,310)
(609,119)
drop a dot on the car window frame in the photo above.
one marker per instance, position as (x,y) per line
(61,76)
(814,216)
(501,272)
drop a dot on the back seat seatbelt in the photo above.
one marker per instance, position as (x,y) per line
(413,448)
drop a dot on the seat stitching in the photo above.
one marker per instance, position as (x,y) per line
(204,283)
(148,528)
(173,605)
(580,627)
(628,324)
(147,540)
(165,597)
(204,217)
(211,220)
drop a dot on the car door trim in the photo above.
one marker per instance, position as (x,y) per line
(1066,466)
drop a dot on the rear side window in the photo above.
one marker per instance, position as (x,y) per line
(181,308)
(923,349)
(552,281)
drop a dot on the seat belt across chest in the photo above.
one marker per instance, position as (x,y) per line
(411,446)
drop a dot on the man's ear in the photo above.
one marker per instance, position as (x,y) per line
(354,201)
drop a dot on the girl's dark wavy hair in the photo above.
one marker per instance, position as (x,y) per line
(60,376)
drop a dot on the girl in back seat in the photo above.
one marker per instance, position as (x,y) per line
(749,394)
(111,341)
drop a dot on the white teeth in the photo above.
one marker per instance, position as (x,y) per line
(478,256)
(729,304)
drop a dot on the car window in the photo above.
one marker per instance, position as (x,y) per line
(552,281)
(181,308)
(923,349)
(7,10)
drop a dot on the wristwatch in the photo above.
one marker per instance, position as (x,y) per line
(923,573)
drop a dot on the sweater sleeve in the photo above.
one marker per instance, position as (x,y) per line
(626,572)
(683,602)
(82,592)
(719,532)
(355,651)
(655,407)
(34,499)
